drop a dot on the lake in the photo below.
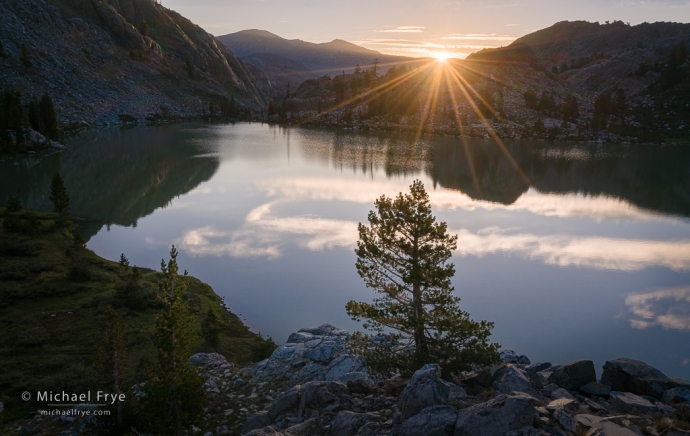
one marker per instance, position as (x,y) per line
(572,250)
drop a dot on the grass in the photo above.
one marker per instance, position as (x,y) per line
(53,292)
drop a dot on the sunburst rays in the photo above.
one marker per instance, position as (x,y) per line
(439,81)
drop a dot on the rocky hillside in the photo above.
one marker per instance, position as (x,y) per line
(326,58)
(117,60)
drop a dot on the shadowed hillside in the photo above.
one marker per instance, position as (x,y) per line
(122,60)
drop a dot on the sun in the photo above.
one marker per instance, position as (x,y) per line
(442,57)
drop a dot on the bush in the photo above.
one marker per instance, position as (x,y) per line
(32,337)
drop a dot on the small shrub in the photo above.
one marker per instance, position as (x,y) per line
(79,273)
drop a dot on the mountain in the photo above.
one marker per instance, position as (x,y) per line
(326,58)
(280,71)
(106,61)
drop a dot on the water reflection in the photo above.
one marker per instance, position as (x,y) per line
(114,176)
(668,308)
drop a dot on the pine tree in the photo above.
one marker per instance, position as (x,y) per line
(402,255)
(174,389)
(59,197)
(35,116)
(111,354)
(48,117)
(210,328)
(26,58)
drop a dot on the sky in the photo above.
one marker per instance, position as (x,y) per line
(446,28)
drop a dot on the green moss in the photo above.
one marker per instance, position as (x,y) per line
(52,295)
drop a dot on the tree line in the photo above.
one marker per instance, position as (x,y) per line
(17,120)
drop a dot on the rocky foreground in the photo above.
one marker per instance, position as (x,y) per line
(312,386)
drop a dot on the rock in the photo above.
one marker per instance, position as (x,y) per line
(323,353)
(356,376)
(256,421)
(477,382)
(534,368)
(426,388)
(561,393)
(287,402)
(671,396)
(309,427)
(308,373)
(574,375)
(359,386)
(394,386)
(675,432)
(456,393)
(597,389)
(266,431)
(513,379)
(550,389)
(238,383)
(431,421)
(628,375)
(626,402)
(325,330)
(496,416)
(593,425)
(509,356)
(347,423)
(207,359)
(342,365)
(565,420)
(570,405)
(299,337)
(323,396)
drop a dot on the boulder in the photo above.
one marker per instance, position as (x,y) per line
(565,420)
(266,431)
(534,368)
(348,423)
(561,393)
(477,381)
(256,421)
(563,403)
(626,402)
(312,371)
(496,416)
(323,352)
(393,387)
(628,375)
(324,330)
(513,379)
(592,425)
(287,402)
(309,427)
(431,421)
(671,396)
(509,356)
(597,389)
(426,388)
(326,396)
(574,375)
(342,365)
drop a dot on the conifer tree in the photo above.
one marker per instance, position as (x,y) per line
(210,328)
(59,197)
(174,391)
(111,354)
(48,117)
(26,58)
(35,116)
(402,255)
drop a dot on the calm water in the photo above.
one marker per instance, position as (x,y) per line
(574,251)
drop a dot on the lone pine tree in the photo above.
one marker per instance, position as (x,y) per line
(174,390)
(59,197)
(402,255)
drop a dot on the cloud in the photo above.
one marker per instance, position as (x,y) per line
(262,235)
(588,252)
(402,29)
(361,191)
(480,37)
(668,308)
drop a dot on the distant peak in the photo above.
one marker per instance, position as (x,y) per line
(258,32)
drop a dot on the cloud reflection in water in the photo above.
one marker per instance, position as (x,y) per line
(668,308)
